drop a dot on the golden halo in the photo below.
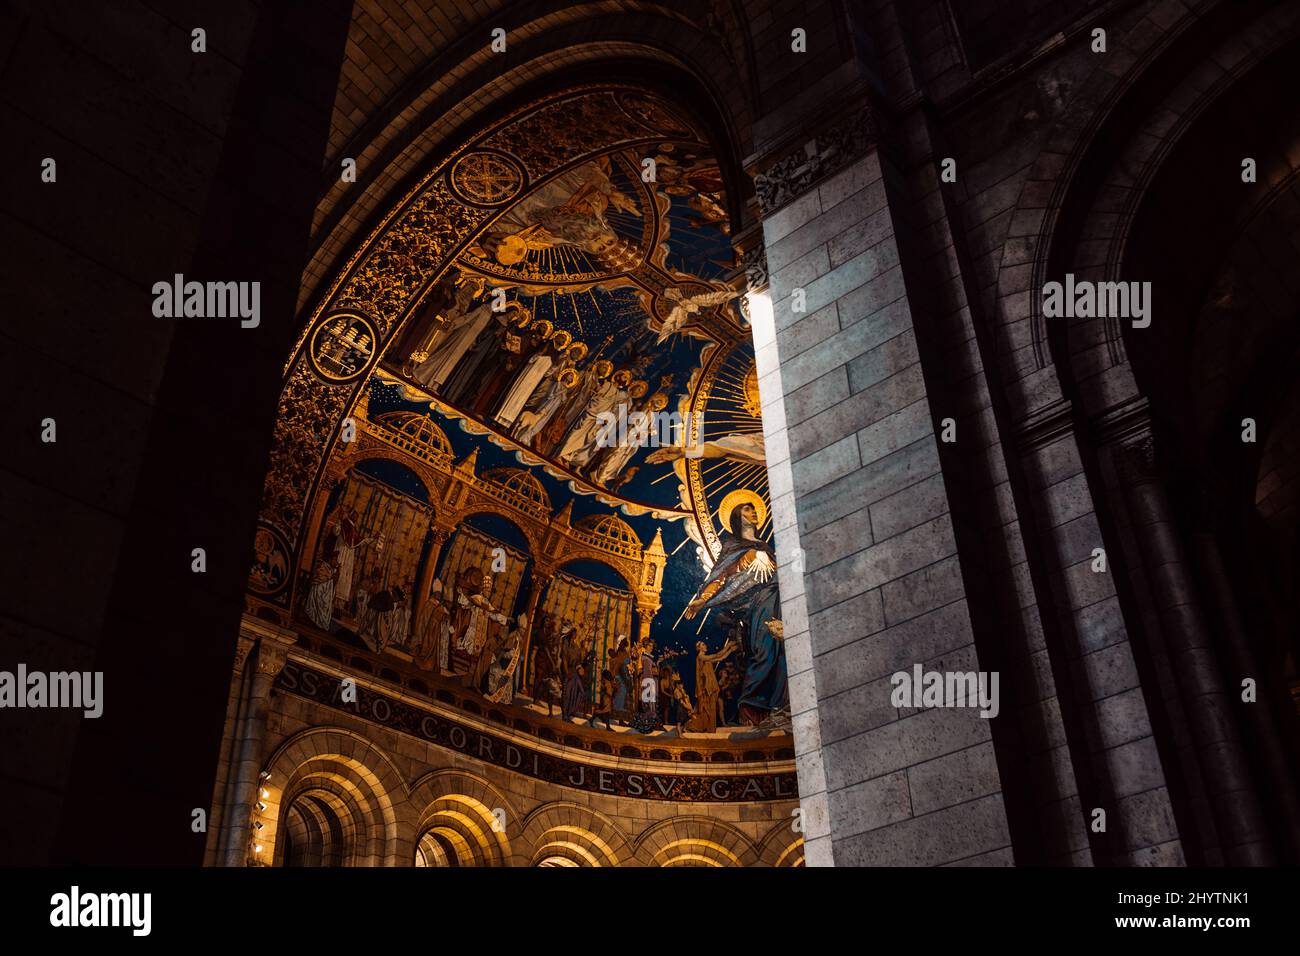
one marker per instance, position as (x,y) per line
(638,388)
(561,339)
(578,351)
(734,499)
(524,314)
(511,250)
(569,378)
(622,377)
(602,367)
(477,283)
(543,327)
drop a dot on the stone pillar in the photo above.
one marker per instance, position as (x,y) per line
(1208,702)
(1243,663)
(861,514)
(223,789)
(273,644)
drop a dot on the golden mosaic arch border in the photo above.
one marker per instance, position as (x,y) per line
(692,408)
(400,261)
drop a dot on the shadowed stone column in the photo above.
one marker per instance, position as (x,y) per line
(1241,658)
(223,790)
(1207,700)
(273,644)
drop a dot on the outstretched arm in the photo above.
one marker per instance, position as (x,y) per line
(672,452)
(726,651)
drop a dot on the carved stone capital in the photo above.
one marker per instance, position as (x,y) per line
(751,258)
(271,658)
(755,265)
(826,152)
(243,647)
(273,643)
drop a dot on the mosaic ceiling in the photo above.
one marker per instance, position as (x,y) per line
(529,344)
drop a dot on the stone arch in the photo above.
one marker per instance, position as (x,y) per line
(441,100)
(781,846)
(574,833)
(1078,399)
(695,841)
(379,453)
(325,821)
(458,808)
(363,786)
(1097,351)
(399,262)
(318,831)
(1050,216)
(367,449)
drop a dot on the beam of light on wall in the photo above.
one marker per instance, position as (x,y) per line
(762,319)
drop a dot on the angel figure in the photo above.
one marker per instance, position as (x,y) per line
(686,308)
